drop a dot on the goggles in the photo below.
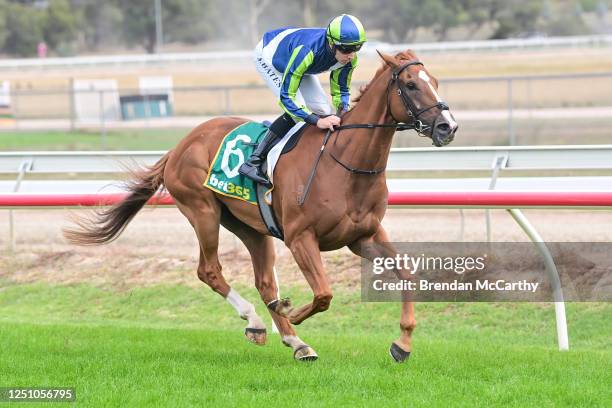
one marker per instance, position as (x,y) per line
(348,48)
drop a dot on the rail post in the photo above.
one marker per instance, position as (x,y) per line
(24,167)
(553,275)
(499,162)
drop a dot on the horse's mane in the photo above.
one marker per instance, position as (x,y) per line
(407,55)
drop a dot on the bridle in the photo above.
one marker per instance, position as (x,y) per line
(411,110)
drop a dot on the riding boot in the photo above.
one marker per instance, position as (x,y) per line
(251,168)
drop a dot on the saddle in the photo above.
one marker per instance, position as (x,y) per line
(291,143)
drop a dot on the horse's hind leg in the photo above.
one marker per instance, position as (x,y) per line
(205,220)
(210,273)
(261,249)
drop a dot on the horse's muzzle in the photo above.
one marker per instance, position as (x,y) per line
(444,130)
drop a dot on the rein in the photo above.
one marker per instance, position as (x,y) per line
(398,127)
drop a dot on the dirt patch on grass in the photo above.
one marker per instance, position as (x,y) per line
(159,247)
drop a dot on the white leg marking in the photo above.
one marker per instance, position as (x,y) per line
(293,341)
(245,310)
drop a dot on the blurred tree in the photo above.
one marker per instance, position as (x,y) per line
(546,12)
(512,20)
(398,19)
(309,8)
(3,27)
(442,15)
(139,23)
(475,14)
(324,11)
(190,21)
(272,15)
(99,23)
(183,20)
(23,29)
(256,9)
(59,24)
(566,19)
(601,9)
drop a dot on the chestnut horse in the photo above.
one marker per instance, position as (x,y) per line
(345,206)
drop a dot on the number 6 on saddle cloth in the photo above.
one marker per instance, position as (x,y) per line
(224,176)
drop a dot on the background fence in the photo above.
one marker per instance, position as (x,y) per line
(484,93)
(534,109)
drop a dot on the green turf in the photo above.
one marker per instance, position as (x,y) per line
(179,346)
(158,139)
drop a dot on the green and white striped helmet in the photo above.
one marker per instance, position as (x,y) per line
(346,29)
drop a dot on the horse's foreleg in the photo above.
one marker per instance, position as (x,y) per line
(305,250)
(378,246)
(266,284)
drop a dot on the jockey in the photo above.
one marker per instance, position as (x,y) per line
(288,60)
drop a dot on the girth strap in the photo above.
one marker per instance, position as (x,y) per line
(267,213)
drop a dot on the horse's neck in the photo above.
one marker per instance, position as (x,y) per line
(367,149)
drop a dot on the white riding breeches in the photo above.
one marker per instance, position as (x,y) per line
(310,92)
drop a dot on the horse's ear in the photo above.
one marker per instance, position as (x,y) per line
(389,59)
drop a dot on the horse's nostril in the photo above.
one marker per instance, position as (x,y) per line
(445,127)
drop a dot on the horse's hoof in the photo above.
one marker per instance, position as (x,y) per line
(398,354)
(305,353)
(256,336)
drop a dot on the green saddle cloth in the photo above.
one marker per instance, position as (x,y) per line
(235,148)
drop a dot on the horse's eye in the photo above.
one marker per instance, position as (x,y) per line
(411,85)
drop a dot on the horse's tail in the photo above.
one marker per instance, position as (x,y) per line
(105,225)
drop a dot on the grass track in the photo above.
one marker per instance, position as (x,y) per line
(178,346)
(158,139)
(137,366)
